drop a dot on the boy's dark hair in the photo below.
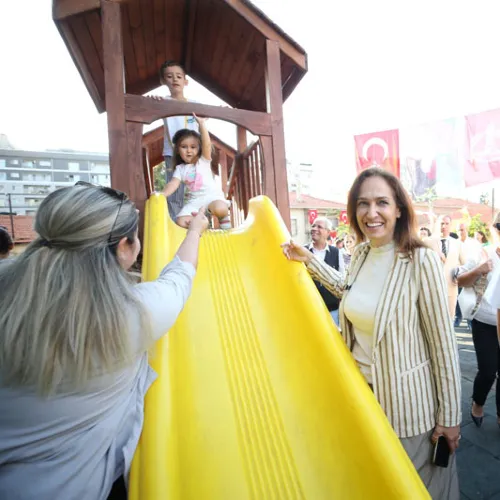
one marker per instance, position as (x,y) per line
(6,243)
(182,134)
(170,64)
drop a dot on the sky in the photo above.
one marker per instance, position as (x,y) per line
(373,65)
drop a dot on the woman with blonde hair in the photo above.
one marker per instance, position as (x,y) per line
(394,319)
(75,331)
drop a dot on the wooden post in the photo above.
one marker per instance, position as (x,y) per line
(114,78)
(274,96)
(242,145)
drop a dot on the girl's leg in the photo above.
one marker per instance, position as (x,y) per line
(486,345)
(184,221)
(220,210)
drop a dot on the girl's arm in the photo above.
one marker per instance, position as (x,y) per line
(206,144)
(171,187)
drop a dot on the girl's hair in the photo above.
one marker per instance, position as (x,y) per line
(179,136)
(66,302)
(6,243)
(484,238)
(182,134)
(405,233)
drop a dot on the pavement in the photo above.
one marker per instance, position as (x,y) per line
(478,456)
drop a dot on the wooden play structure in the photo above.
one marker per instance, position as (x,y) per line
(229,46)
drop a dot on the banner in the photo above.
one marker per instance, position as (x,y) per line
(379,149)
(431,157)
(482,147)
(313,214)
(343,216)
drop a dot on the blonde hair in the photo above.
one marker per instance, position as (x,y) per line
(66,300)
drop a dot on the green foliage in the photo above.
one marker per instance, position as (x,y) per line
(485,198)
(476,224)
(159,176)
(429,196)
(342,230)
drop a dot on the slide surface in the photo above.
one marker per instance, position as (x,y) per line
(257,395)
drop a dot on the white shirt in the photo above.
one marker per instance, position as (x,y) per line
(472,250)
(321,254)
(360,305)
(173,124)
(198,179)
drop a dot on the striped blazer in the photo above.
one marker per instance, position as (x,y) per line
(415,365)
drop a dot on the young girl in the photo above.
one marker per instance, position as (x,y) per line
(192,156)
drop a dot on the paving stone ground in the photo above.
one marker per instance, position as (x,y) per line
(478,456)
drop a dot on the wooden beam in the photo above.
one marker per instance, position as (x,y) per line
(154,135)
(223,171)
(274,97)
(192,7)
(268,180)
(114,77)
(61,9)
(228,150)
(146,110)
(81,65)
(265,27)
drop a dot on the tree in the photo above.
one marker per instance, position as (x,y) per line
(476,224)
(428,197)
(342,229)
(159,176)
(485,198)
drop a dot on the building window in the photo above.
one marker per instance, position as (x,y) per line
(101,180)
(73,166)
(28,164)
(15,175)
(99,168)
(45,163)
(2,162)
(13,162)
(72,178)
(294,227)
(3,176)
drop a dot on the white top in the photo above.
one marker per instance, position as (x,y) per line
(199,180)
(321,254)
(173,124)
(472,250)
(361,303)
(492,294)
(487,312)
(74,445)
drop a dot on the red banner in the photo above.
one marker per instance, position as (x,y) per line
(312,215)
(343,216)
(482,147)
(379,149)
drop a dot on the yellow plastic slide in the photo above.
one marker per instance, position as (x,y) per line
(257,396)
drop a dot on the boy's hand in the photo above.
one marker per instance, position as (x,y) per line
(200,120)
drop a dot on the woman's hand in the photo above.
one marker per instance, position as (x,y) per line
(292,251)
(199,222)
(452,435)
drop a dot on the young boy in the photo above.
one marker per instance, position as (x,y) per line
(172,75)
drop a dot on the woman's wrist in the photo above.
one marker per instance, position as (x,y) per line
(194,231)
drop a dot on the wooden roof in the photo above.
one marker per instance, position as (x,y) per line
(220,42)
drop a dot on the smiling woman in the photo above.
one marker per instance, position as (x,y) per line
(394,319)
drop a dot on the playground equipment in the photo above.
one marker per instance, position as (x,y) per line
(257,395)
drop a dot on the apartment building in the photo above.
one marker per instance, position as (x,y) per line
(26,177)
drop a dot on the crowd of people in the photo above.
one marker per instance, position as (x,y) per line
(77,325)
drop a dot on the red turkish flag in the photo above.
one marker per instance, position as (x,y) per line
(313,214)
(378,149)
(343,216)
(482,147)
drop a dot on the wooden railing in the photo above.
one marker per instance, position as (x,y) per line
(245,181)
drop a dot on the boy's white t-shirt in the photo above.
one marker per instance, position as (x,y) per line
(173,124)
(199,180)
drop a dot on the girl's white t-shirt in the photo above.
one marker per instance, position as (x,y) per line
(199,180)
